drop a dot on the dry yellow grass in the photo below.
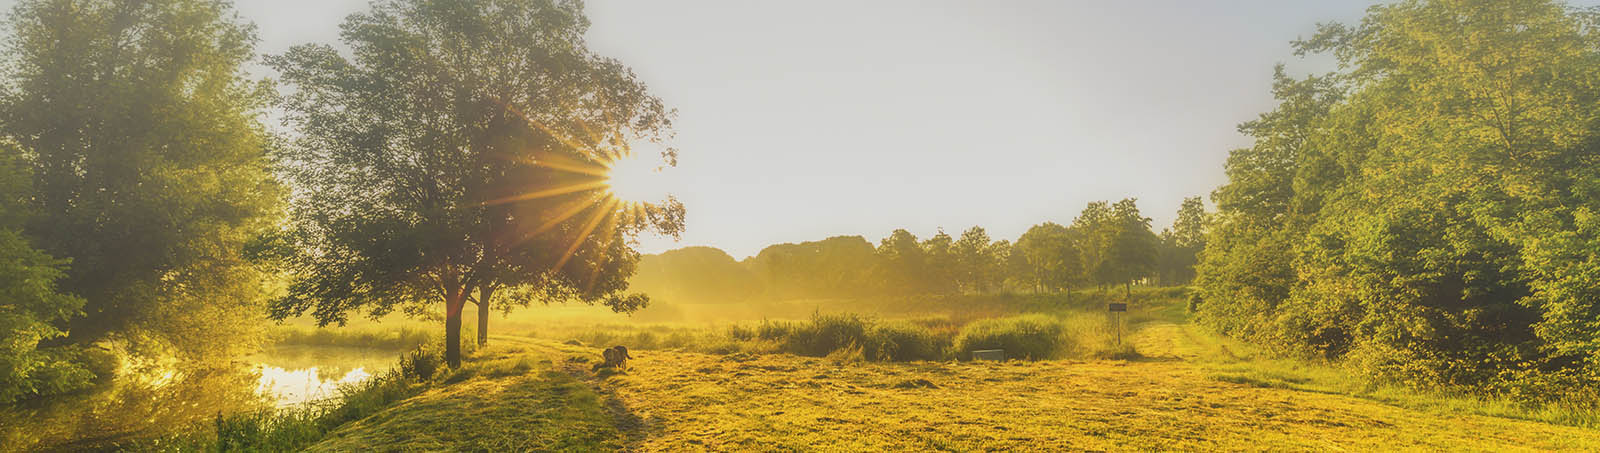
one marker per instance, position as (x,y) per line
(678,401)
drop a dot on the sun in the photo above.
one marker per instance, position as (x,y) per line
(636,179)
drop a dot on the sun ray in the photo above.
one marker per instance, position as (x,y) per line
(605,233)
(563,163)
(599,214)
(550,192)
(576,208)
(548,130)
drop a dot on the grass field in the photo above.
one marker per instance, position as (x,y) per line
(524,393)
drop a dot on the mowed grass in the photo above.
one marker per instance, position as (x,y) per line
(539,395)
(505,398)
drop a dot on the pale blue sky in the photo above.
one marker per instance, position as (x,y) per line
(807,119)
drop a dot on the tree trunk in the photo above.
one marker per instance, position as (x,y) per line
(1127,293)
(483,315)
(452,327)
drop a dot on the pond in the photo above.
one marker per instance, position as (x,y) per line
(293,375)
(132,408)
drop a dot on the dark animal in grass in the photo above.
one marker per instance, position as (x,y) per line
(616,358)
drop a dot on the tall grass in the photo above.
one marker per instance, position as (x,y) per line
(857,337)
(1029,337)
(401,338)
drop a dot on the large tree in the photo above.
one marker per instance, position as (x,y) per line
(1427,213)
(461,150)
(149,165)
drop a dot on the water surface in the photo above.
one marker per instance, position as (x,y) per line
(159,402)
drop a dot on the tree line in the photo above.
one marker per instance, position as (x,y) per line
(1107,245)
(1426,213)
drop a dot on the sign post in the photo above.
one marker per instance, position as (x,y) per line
(1116,310)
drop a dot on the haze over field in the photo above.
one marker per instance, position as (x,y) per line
(804,120)
(562,225)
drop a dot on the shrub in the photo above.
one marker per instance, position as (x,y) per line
(770,330)
(420,363)
(825,334)
(901,342)
(1030,337)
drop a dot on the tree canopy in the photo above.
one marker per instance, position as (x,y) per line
(462,149)
(149,167)
(1426,212)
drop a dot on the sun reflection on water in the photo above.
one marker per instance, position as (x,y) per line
(298,386)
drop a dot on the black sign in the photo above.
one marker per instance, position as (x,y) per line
(1119,307)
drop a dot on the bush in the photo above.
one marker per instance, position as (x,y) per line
(902,342)
(825,334)
(1030,337)
(421,363)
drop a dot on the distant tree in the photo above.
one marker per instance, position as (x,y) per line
(694,275)
(1001,256)
(975,261)
(1052,256)
(843,266)
(902,263)
(1093,229)
(942,267)
(1131,252)
(461,152)
(1181,244)
(150,168)
(839,266)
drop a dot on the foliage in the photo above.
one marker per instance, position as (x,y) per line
(1181,245)
(1425,213)
(1053,256)
(839,266)
(29,316)
(31,306)
(902,263)
(1107,244)
(461,152)
(977,261)
(1130,250)
(149,164)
